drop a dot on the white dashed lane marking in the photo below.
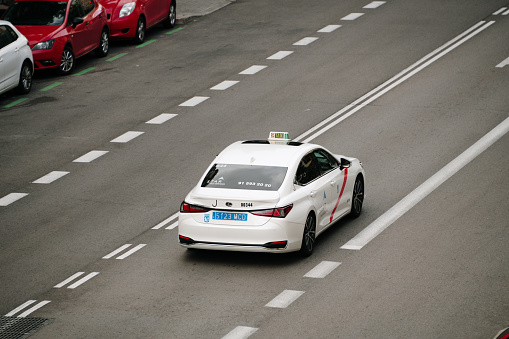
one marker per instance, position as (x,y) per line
(29,311)
(194,101)
(240,332)
(374,4)
(322,269)
(161,118)
(280,55)
(284,299)
(127,136)
(352,16)
(167,221)
(77,283)
(50,177)
(329,29)
(224,85)
(305,41)
(126,254)
(253,69)
(90,156)
(10,198)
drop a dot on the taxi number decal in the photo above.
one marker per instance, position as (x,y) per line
(246,204)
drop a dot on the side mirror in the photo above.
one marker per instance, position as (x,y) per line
(345,163)
(76,22)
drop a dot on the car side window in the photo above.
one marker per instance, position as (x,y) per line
(7,36)
(75,11)
(308,169)
(88,6)
(326,161)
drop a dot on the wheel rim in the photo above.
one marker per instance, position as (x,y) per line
(104,42)
(309,233)
(171,16)
(26,77)
(358,196)
(67,61)
(141,30)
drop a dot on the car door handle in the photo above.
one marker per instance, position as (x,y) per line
(333,182)
(312,194)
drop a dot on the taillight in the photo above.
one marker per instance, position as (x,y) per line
(279,212)
(188,208)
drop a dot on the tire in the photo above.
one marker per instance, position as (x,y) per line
(308,236)
(357,197)
(104,44)
(169,22)
(67,63)
(25,78)
(140,31)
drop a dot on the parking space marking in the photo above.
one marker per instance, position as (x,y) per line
(30,310)
(305,41)
(117,251)
(148,42)
(131,251)
(161,118)
(167,221)
(127,136)
(352,16)
(53,85)
(322,269)
(503,63)
(50,177)
(280,55)
(329,29)
(240,332)
(68,280)
(116,57)
(16,102)
(500,11)
(374,4)
(174,30)
(224,85)
(83,280)
(90,156)
(84,71)
(12,197)
(194,101)
(253,69)
(284,299)
(414,197)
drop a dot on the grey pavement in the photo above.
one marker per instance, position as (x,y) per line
(187,10)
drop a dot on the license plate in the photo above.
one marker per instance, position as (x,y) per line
(229,216)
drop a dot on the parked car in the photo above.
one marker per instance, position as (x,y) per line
(129,19)
(61,31)
(16,61)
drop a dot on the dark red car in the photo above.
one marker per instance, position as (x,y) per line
(131,18)
(61,31)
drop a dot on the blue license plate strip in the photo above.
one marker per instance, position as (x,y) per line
(229,216)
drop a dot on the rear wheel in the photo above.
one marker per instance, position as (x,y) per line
(172,16)
(140,31)
(67,63)
(104,44)
(25,78)
(308,237)
(357,197)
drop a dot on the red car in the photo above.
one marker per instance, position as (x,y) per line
(131,18)
(61,31)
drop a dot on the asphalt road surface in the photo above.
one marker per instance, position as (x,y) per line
(418,90)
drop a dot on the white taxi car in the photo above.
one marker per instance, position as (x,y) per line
(270,196)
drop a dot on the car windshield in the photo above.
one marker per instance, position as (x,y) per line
(245,177)
(36,13)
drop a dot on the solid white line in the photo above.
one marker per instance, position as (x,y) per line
(305,41)
(240,332)
(115,252)
(329,29)
(503,63)
(165,221)
(352,16)
(393,82)
(393,214)
(374,4)
(50,177)
(194,101)
(131,251)
(224,85)
(19,308)
(161,118)
(172,226)
(322,269)
(127,136)
(83,280)
(284,299)
(90,156)
(253,69)
(36,307)
(280,55)
(11,197)
(68,280)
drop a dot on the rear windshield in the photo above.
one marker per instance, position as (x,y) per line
(36,13)
(245,177)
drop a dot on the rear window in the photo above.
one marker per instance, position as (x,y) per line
(36,13)
(245,177)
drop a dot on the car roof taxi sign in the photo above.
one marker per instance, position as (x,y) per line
(281,138)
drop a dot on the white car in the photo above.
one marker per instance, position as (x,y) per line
(270,196)
(16,60)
